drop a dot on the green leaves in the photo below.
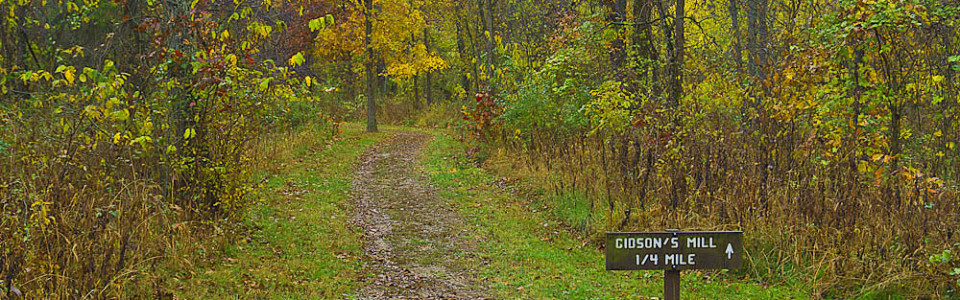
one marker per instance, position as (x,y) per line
(321,23)
(144,141)
(296,60)
(3,148)
(265,84)
(611,107)
(120,115)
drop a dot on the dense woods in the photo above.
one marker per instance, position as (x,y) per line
(825,129)
(124,123)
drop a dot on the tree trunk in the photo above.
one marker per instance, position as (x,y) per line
(853,141)
(428,77)
(476,38)
(856,93)
(896,115)
(756,41)
(676,85)
(416,92)
(733,8)
(616,19)
(757,66)
(462,50)
(643,38)
(667,29)
(386,89)
(487,34)
(372,73)
(946,122)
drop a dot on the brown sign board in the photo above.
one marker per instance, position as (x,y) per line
(674,250)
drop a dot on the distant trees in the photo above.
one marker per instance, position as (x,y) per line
(390,41)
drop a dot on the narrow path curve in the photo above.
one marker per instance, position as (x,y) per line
(413,239)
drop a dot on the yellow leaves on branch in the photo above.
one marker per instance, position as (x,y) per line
(69,73)
(610,108)
(417,66)
(41,212)
(232,59)
(189,133)
(35,76)
(321,23)
(398,35)
(401,70)
(261,30)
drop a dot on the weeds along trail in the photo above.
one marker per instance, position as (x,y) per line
(413,245)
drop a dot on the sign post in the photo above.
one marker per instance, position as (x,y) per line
(671,284)
(673,251)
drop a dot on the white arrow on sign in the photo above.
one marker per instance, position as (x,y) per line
(729,251)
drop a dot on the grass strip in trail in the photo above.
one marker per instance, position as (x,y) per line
(299,244)
(529,255)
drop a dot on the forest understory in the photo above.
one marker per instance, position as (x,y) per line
(212,149)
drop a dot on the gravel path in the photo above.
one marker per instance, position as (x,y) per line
(413,245)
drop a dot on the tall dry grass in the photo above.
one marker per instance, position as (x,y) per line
(103,220)
(838,230)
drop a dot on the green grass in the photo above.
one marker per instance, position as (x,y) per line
(299,244)
(530,256)
(574,210)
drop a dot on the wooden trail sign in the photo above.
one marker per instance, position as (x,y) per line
(679,250)
(672,251)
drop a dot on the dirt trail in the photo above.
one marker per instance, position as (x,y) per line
(413,247)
